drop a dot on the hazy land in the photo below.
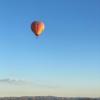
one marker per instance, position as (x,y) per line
(47,98)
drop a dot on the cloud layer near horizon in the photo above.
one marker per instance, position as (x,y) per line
(13,81)
(40,84)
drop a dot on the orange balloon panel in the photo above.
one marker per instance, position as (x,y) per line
(37,27)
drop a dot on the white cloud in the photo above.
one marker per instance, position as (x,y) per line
(13,81)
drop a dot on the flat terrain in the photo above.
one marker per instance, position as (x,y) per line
(46,98)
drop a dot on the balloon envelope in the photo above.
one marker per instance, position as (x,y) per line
(37,27)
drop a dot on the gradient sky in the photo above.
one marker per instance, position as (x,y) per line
(63,61)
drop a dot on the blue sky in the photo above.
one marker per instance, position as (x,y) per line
(63,61)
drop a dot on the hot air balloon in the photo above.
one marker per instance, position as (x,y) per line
(37,27)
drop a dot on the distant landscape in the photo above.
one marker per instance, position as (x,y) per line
(47,98)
